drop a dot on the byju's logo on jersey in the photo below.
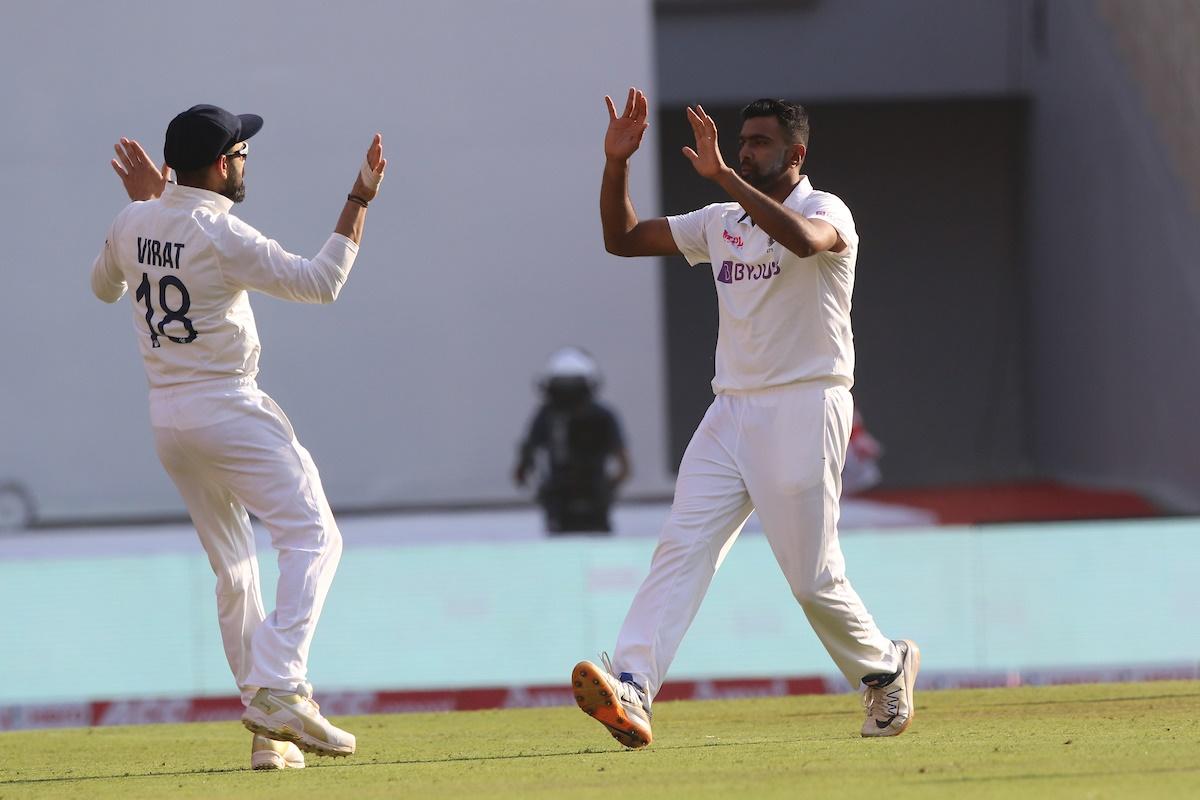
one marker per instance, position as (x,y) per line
(736,271)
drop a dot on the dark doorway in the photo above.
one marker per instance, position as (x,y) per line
(940,304)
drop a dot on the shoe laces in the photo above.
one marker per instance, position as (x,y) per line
(305,690)
(882,702)
(607,662)
(628,692)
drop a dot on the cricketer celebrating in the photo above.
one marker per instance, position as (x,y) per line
(774,439)
(226,445)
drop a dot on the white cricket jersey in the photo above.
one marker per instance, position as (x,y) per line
(782,318)
(189,264)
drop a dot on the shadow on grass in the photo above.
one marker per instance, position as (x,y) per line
(935,706)
(1082,701)
(1050,776)
(403,762)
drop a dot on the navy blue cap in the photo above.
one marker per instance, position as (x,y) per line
(197,137)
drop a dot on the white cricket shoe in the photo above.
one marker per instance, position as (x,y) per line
(269,754)
(292,717)
(891,708)
(616,702)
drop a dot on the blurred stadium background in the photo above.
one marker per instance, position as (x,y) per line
(1025,181)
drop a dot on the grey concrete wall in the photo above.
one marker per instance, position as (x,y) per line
(1115,272)
(481,256)
(1109,218)
(839,50)
(933,174)
(484,252)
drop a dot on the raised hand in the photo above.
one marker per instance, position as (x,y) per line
(366,185)
(142,180)
(706,158)
(625,132)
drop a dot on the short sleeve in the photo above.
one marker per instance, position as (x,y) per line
(690,234)
(830,208)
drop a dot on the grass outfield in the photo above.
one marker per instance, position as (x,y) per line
(1113,740)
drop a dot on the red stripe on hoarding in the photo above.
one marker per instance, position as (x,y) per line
(730,689)
(220,709)
(214,709)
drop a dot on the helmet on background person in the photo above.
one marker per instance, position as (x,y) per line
(571,377)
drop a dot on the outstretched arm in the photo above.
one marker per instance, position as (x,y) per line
(252,261)
(624,235)
(803,236)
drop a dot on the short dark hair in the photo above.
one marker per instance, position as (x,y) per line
(791,116)
(192,177)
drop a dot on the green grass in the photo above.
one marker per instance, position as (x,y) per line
(1118,740)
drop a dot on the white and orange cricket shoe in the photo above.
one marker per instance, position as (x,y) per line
(296,717)
(616,702)
(890,706)
(269,754)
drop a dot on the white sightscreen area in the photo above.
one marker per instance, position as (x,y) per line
(481,256)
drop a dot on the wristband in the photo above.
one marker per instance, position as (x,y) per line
(369,177)
(353,198)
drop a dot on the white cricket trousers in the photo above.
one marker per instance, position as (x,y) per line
(229,448)
(780,451)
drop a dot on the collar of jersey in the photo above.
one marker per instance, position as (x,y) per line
(793,200)
(190,195)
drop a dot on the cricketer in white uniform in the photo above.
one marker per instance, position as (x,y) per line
(189,264)
(783,257)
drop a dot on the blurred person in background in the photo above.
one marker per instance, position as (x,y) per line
(574,444)
(861,471)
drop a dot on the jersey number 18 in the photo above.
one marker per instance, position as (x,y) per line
(170,314)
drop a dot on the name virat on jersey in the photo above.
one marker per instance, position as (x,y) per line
(154,253)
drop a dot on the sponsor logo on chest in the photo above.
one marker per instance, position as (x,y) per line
(734,271)
(737,241)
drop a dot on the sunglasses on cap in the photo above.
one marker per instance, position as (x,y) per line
(240,152)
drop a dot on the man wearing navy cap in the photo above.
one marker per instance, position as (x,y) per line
(228,447)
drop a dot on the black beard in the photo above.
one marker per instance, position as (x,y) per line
(764,180)
(235,192)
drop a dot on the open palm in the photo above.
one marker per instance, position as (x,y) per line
(706,158)
(141,179)
(625,132)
